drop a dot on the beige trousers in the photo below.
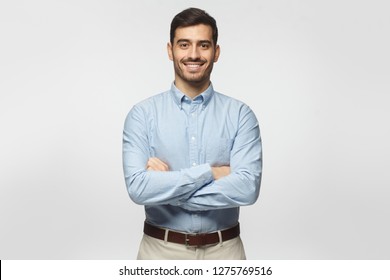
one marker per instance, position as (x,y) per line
(156,249)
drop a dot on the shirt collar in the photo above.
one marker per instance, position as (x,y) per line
(205,96)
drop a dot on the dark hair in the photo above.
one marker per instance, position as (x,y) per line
(193,16)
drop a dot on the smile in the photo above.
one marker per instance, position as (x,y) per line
(193,66)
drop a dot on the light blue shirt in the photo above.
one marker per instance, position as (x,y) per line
(191,136)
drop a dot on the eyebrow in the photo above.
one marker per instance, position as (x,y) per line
(205,41)
(182,41)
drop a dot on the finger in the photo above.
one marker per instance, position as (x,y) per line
(158,164)
(159,161)
(151,165)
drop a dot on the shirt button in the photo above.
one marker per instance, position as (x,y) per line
(193,138)
(194,164)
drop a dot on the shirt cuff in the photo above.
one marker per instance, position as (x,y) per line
(204,173)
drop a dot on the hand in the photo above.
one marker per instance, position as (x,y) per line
(155,164)
(220,171)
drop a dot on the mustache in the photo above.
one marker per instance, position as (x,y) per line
(193,60)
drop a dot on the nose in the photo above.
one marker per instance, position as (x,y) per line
(194,53)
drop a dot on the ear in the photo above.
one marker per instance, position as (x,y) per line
(170,52)
(217,53)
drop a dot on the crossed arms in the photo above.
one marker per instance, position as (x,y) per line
(203,187)
(156,164)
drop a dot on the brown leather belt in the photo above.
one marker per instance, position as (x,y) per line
(189,239)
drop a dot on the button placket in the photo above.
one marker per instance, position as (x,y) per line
(194,150)
(193,129)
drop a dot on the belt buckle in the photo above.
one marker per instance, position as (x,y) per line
(187,239)
(198,237)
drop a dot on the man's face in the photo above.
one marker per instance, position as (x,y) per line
(193,54)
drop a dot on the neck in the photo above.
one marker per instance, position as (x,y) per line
(192,90)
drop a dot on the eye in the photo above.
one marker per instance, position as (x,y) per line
(183,45)
(205,46)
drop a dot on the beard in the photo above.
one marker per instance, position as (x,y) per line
(193,77)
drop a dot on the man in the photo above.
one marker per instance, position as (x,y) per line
(191,155)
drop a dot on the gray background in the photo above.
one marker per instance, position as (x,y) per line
(316,73)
